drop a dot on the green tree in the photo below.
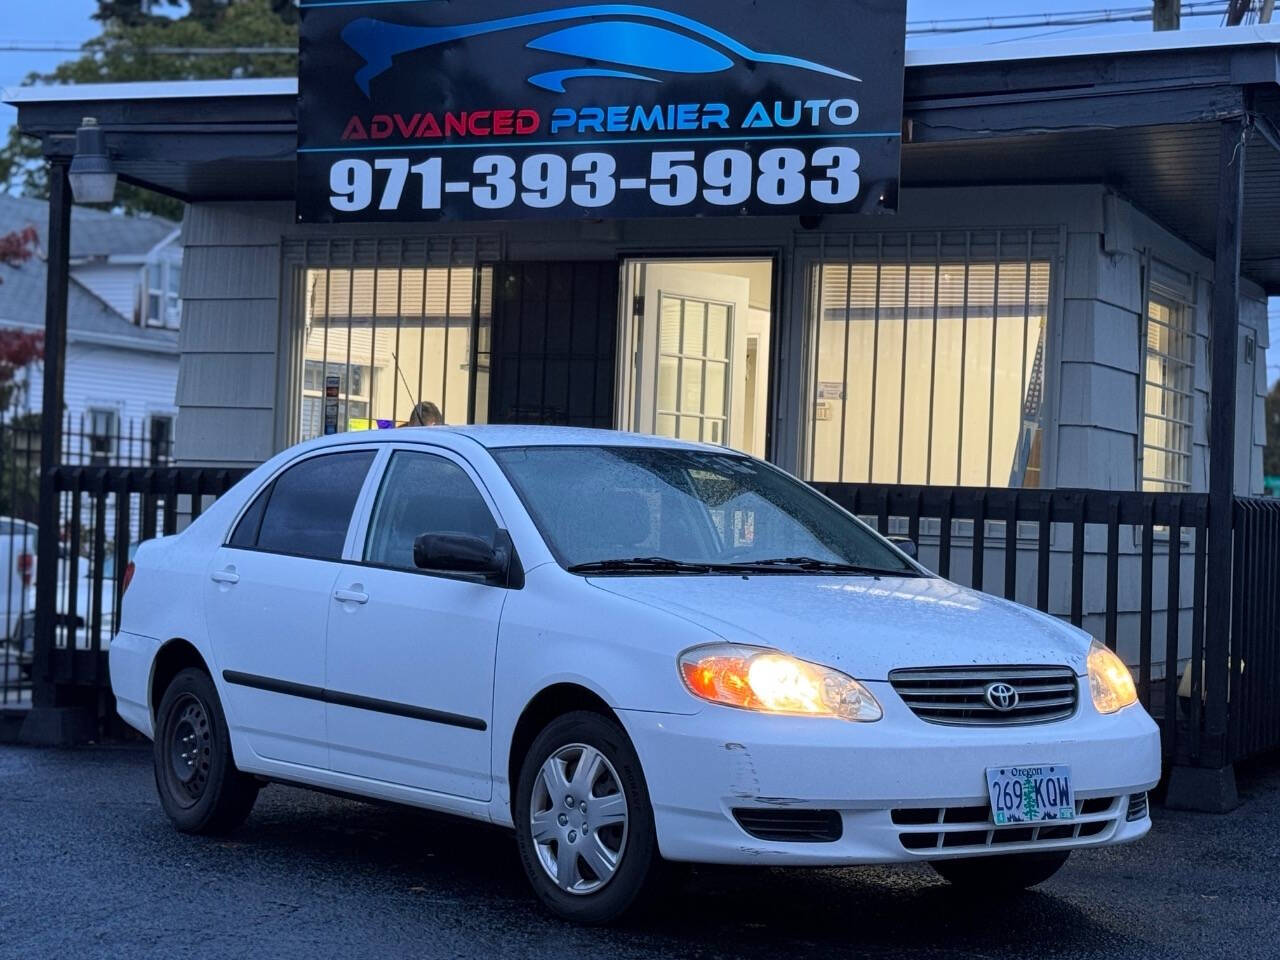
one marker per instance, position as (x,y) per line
(139,44)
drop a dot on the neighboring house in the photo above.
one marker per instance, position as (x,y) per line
(122,328)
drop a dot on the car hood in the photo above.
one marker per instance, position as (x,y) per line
(863,626)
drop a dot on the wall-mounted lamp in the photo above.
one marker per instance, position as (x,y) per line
(93,178)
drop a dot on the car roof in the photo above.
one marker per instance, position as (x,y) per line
(515,435)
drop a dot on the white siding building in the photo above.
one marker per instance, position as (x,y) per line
(122,329)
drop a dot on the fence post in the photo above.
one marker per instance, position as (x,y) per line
(1211,784)
(57,715)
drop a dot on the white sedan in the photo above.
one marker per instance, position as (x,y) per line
(630,650)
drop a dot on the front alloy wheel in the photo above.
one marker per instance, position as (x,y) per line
(578,819)
(584,825)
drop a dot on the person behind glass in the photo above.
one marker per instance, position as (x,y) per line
(425,414)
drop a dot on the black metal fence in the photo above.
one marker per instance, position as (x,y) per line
(101,439)
(1131,568)
(104,513)
(19,500)
(1254,668)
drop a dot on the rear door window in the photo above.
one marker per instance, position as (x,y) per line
(307,509)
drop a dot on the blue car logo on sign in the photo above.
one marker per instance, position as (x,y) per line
(604,36)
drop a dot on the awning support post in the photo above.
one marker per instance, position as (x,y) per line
(55,716)
(1210,784)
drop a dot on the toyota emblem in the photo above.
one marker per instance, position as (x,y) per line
(1001,696)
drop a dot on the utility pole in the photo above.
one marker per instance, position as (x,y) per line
(1167,14)
(1236,10)
(1268,8)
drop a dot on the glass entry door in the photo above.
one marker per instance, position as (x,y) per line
(693,341)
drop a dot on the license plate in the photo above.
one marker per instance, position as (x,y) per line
(1030,794)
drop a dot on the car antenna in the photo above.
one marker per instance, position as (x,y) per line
(405,381)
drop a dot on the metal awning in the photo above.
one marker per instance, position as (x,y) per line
(1139,114)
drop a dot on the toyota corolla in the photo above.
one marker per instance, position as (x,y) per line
(629,650)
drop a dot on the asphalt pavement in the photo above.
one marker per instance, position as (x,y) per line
(89,867)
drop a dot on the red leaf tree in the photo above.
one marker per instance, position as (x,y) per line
(18,348)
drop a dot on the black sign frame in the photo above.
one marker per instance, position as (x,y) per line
(436,110)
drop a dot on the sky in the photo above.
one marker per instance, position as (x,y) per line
(69,21)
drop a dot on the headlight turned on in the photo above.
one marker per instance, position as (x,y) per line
(1110,681)
(756,678)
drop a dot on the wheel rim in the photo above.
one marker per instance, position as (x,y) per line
(578,819)
(190,750)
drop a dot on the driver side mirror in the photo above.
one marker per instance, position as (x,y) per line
(465,553)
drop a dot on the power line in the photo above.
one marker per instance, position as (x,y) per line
(973,24)
(1081,18)
(23,46)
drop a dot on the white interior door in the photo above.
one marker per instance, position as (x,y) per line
(691,353)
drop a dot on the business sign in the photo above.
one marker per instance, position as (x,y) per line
(513,109)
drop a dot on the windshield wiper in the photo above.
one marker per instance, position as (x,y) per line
(640,565)
(821,566)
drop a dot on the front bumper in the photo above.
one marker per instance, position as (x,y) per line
(892,782)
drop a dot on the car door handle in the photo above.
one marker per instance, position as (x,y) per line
(228,576)
(351,596)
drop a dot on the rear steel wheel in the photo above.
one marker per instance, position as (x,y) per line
(190,749)
(200,788)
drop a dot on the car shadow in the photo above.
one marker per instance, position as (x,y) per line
(403,858)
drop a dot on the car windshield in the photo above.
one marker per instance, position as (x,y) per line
(607,509)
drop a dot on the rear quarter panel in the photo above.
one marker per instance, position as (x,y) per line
(165,602)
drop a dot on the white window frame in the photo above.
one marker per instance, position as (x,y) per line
(167,293)
(113,433)
(152,417)
(1175,291)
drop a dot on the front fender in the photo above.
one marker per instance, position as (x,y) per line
(560,629)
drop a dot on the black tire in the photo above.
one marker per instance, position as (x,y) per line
(637,860)
(1007,873)
(200,788)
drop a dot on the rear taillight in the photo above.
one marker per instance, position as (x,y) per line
(26,567)
(127,578)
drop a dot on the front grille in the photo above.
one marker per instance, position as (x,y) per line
(1137,807)
(791,826)
(929,829)
(958,695)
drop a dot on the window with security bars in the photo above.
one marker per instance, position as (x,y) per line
(929,357)
(395,345)
(1168,394)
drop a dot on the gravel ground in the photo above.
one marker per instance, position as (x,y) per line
(89,867)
